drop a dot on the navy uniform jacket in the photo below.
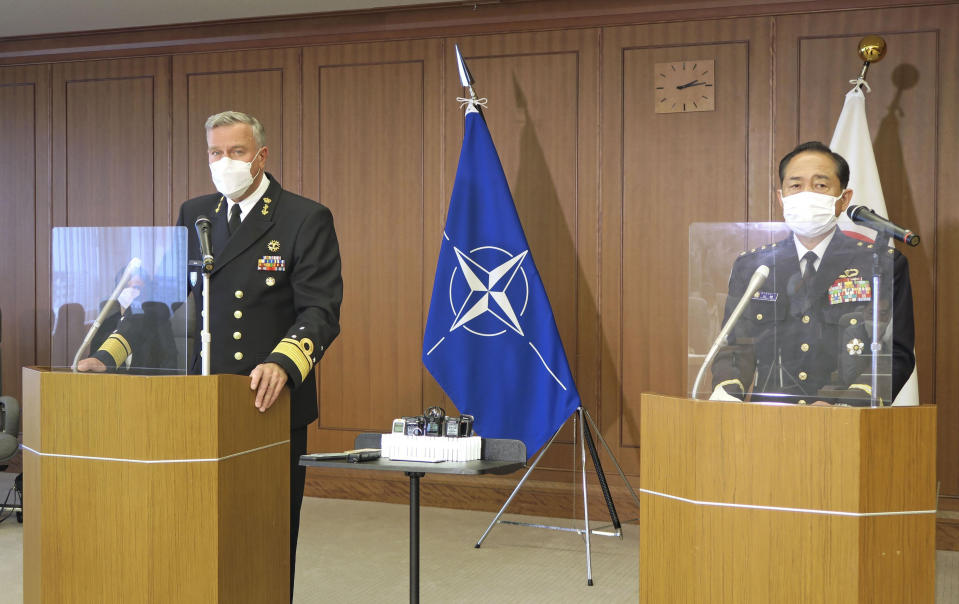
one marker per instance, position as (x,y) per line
(798,340)
(276,289)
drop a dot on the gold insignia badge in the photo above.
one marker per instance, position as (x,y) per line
(218,204)
(855,346)
(266,206)
(273,246)
(270,281)
(849,273)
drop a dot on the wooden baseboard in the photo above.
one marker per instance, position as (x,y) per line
(483,493)
(947,524)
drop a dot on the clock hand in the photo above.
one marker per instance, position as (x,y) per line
(688,84)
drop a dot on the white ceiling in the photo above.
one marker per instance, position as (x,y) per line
(29,17)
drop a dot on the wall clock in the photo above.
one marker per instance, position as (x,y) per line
(684,86)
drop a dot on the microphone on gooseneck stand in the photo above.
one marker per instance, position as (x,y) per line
(866,217)
(755,282)
(202,226)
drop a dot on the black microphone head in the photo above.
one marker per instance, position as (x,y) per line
(852,211)
(202,222)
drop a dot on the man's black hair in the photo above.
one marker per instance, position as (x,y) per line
(842,168)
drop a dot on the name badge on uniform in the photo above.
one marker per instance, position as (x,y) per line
(766,296)
(271,263)
(845,289)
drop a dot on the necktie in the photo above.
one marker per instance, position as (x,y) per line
(810,273)
(235,218)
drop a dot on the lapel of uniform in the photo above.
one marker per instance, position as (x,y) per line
(219,232)
(785,265)
(258,222)
(835,260)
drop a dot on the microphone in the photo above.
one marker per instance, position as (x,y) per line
(755,282)
(866,217)
(203,225)
(133,265)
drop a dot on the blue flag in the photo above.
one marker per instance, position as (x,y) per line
(491,340)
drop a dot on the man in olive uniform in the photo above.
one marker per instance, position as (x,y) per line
(808,328)
(276,285)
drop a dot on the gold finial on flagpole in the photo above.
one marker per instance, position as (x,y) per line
(871,49)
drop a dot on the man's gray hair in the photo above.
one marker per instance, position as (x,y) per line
(227,118)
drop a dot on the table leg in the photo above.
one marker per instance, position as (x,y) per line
(415,535)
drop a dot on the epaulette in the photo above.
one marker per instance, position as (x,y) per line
(762,248)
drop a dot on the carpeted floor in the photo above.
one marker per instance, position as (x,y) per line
(359,552)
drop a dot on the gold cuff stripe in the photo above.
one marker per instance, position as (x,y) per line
(865,388)
(117,347)
(290,348)
(731,382)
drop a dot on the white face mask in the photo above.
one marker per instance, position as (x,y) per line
(231,176)
(810,214)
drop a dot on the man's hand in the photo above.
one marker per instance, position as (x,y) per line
(821,404)
(91,364)
(268,379)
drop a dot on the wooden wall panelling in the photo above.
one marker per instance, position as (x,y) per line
(111,143)
(25,227)
(543,115)
(911,110)
(371,133)
(263,83)
(661,172)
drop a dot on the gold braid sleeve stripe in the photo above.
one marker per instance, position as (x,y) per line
(865,388)
(117,347)
(731,382)
(292,350)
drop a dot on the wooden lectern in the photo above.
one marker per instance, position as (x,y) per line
(153,489)
(780,503)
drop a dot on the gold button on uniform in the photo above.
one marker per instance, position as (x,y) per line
(802,401)
(803,375)
(759,316)
(238,293)
(270,281)
(238,356)
(804,347)
(237,335)
(853,321)
(237,314)
(805,318)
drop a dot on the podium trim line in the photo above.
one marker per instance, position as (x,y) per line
(152,461)
(785,509)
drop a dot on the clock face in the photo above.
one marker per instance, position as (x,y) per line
(684,86)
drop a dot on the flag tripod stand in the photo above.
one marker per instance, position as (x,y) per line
(585,441)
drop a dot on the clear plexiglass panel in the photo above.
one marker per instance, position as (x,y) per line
(122,291)
(761,329)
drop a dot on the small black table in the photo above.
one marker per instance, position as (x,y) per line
(499,456)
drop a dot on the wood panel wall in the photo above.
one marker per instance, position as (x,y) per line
(360,113)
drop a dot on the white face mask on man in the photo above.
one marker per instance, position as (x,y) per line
(232,177)
(810,214)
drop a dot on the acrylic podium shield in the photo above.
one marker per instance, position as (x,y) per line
(795,337)
(105,275)
(143,484)
(773,500)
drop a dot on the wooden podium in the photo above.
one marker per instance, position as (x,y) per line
(153,489)
(781,503)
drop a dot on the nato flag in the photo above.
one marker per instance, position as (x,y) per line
(491,340)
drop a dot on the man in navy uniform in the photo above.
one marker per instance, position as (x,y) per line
(807,332)
(276,286)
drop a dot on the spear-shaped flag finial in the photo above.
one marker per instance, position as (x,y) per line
(466,78)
